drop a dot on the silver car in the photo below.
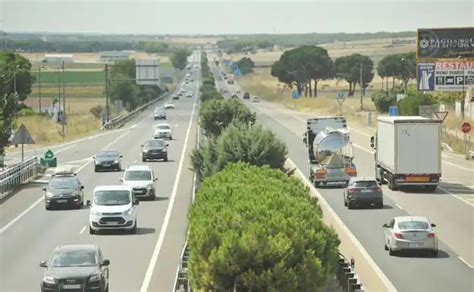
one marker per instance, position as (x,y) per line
(410,233)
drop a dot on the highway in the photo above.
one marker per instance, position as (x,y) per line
(450,207)
(145,261)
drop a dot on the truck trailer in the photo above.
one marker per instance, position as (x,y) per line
(407,152)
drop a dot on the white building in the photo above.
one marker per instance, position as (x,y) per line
(112,56)
(59,58)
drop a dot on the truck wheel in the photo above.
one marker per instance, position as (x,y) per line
(391,184)
(431,189)
(317,184)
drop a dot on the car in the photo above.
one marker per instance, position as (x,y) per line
(169,106)
(407,233)
(256,99)
(234,96)
(159,114)
(141,179)
(363,191)
(246,95)
(113,207)
(76,267)
(107,160)
(63,190)
(238,91)
(155,149)
(163,131)
(189,94)
(175,97)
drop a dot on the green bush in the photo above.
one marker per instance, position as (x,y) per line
(26,112)
(216,114)
(383,101)
(409,106)
(258,229)
(239,143)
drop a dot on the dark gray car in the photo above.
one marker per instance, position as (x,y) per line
(76,268)
(64,191)
(361,191)
(107,160)
(155,149)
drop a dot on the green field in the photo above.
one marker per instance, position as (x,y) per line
(71,77)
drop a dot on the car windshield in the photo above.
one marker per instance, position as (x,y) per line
(107,154)
(74,258)
(365,184)
(154,143)
(112,198)
(413,225)
(163,127)
(131,175)
(63,183)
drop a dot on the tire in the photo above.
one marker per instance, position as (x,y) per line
(434,253)
(143,159)
(391,252)
(350,206)
(166,159)
(385,247)
(431,189)
(134,229)
(379,205)
(92,231)
(46,207)
(345,203)
(317,184)
(391,184)
(96,169)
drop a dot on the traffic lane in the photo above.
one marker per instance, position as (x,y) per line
(455,220)
(368,230)
(64,227)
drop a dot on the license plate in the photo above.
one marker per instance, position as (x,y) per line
(61,201)
(418,178)
(365,191)
(72,286)
(414,245)
(110,223)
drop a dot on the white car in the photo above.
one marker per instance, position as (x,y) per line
(141,179)
(255,99)
(169,106)
(410,233)
(112,207)
(189,94)
(163,131)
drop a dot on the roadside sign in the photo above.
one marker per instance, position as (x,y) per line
(22,136)
(465,127)
(295,94)
(440,115)
(48,159)
(393,111)
(340,96)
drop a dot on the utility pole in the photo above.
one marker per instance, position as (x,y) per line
(64,101)
(14,80)
(39,88)
(106,93)
(59,94)
(361,89)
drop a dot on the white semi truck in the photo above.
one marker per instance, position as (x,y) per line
(329,150)
(408,152)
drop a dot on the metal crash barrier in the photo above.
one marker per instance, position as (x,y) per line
(17,174)
(347,276)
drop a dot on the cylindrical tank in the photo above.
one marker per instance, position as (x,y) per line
(332,146)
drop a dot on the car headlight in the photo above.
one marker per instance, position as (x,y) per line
(75,194)
(49,280)
(128,212)
(49,195)
(94,278)
(145,150)
(95,213)
(116,161)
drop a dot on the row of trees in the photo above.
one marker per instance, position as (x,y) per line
(15,86)
(179,58)
(208,88)
(252,228)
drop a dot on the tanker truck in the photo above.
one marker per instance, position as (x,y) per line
(329,150)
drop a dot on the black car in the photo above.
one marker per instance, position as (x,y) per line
(155,149)
(107,160)
(175,97)
(246,95)
(64,190)
(361,191)
(76,268)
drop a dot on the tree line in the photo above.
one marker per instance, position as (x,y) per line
(252,227)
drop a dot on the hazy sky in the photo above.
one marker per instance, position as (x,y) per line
(231,16)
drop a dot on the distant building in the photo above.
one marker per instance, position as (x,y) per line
(58,58)
(112,56)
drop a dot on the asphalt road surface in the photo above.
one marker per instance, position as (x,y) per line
(449,207)
(146,261)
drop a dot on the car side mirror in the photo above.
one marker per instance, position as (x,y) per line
(433,225)
(43,264)
(44,189)
(121,156)
(121,179)
(82,187)
(155,179)
(385,225)
(105,263)
(88,203)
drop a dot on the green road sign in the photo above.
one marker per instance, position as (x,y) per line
(48,159)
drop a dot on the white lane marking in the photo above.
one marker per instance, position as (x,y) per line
(66,148)
(83,229)
(161,237)
(458,166)
(135,161)
(456,196)
(398,206)
(465,262)
(388,284)
(5,228)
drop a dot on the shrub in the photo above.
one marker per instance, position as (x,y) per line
(96,111)
(383,101)
(409,106)
(26,111)
(258,229)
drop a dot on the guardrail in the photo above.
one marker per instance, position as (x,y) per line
(17,175)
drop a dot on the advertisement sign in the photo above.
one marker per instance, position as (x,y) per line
(445,43)
(445,75)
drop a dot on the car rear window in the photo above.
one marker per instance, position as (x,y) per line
(365,184)
(405,225)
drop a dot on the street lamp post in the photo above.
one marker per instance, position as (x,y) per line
(64,101)
(39,88)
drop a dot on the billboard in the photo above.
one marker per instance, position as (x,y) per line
(445,43)
(445,75)
(147,72)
